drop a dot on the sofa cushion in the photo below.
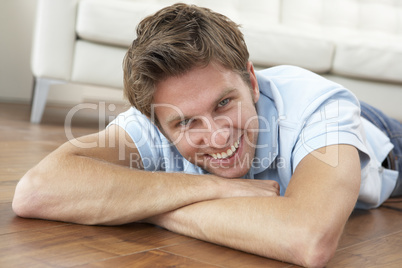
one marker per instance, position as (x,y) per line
(114,22)
(376,57)
(282,45)
(367,34)
(98,64)
(381,16)
(111,22)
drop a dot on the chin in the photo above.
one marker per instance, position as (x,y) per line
(229,173)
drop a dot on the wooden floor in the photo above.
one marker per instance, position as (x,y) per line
(371,238)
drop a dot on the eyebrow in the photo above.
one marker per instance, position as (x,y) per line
(226,92)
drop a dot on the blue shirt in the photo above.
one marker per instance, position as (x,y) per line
(299,112)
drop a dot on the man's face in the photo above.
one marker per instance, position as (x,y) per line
(209,114)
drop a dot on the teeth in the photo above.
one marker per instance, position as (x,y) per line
(228,153)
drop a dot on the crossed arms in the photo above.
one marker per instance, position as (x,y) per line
(92,186)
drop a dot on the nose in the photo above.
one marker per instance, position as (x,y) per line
(218,137)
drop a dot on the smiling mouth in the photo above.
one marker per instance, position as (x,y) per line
(228,153)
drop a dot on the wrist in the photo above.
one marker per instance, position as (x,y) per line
(219,186)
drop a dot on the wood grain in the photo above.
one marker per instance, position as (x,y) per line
(380,252)
(222,256)
(151,259)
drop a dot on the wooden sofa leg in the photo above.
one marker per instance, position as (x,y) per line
(41,90)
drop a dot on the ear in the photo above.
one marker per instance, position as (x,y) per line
(254,82)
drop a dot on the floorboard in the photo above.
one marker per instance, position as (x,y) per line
(151,259)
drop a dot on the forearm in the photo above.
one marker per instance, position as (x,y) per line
(244,223)
(273,227)
(85,190)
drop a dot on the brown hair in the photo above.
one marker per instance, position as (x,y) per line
(173,41)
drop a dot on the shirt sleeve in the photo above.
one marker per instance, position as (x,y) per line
(146,137)
(335,121)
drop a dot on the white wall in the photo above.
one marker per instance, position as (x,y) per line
(16,26)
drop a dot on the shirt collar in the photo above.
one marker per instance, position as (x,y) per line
(267,142)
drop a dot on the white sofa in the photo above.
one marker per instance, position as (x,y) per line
(357,43)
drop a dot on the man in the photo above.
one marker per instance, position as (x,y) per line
(271,163)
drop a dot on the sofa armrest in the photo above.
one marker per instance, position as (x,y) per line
(54,38)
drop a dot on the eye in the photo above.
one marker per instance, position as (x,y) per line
(184,122)
(223,102)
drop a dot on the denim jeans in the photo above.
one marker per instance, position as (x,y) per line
(393,129)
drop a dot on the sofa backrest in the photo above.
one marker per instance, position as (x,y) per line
(379,16)
(114,22)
